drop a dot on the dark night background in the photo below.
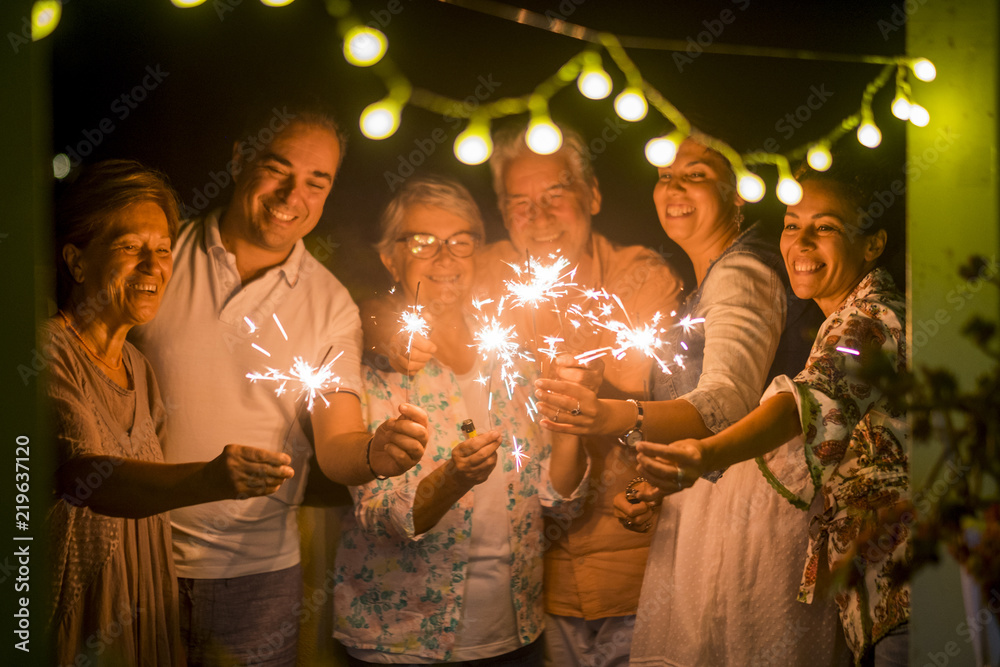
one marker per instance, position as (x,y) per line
(227,56)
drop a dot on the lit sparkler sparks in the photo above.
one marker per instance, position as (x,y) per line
(646,338)
(517,451)
(542,282)
(414,324)
(308,380)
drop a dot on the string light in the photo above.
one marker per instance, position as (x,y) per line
(789,191)
(185,4)
(901,107)
(586,68)
(749,186)
(819,157)
(474,145)
(869,135)
(593,82)
(923,69)
(276,3)
(364,46)
(631,104)
(381,119)
(45,15)
(919,115)
(543,136)
(661,151)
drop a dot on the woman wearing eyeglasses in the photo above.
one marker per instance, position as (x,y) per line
(444,563)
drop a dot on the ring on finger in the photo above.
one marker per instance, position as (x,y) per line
(576,411)
(631,493)
(680,477)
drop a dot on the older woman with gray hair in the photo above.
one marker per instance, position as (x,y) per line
(114,590)
(444,563)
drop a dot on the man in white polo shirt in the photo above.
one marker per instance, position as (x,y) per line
(247,297)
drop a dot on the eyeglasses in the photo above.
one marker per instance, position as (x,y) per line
(426,246)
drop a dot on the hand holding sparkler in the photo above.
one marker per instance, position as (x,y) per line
(674,467)
(398,443)
(569,402)
(409,353)
(247,472)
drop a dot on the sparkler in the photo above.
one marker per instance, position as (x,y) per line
(498,346)
(517,451)
(646,338)
(543,282)
(413,324)
(309,381)
(537,283)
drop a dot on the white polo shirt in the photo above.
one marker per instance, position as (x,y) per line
(201,347)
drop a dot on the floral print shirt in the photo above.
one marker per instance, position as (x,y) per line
(855,449)
(397,592)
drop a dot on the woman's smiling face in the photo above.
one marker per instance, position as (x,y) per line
(694,196)
(825,249)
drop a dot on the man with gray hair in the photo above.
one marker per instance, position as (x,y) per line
(593,568)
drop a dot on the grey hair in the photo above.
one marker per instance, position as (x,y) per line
(432,190)
(509,143)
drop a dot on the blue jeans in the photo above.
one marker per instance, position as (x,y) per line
(251,620)
(526,656)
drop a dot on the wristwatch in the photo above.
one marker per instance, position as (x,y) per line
(634,434)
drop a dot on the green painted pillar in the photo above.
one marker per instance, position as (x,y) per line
(952,205)
(25,184)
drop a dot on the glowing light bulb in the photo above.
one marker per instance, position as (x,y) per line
(276,3)
(919,115)
(380,119)
(750,187)
(631,105)
(594,82)
(364,46)
(661,151)
(789,191)
(901,108)
(45,15)
(923,69)
(474,145)
(869,135)
(543,137)
(61,166)
(184,4)
(819,157)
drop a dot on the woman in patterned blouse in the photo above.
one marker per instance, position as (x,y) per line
(845,444)
(444,563)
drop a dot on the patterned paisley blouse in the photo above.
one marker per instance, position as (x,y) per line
(397,592)
(855,447)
